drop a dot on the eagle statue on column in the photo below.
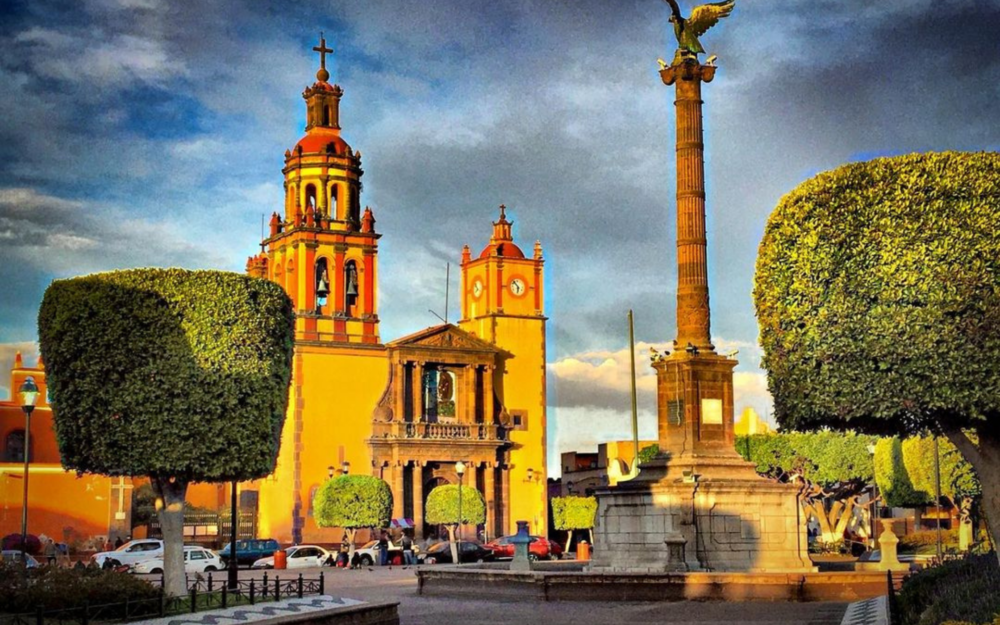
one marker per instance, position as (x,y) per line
(687,30)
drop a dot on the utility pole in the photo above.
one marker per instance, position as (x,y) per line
(635,413)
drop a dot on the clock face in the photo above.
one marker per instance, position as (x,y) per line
(517,286)
(477,288)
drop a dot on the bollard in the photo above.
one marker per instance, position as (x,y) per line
(194,599)
(225,602)
(277,589)
(252,590)
(300,585)
(321,584)
(210,582)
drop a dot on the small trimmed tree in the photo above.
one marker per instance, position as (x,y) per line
(442,509)
(353,502)
(576,513)
(179,376)
(904,472)
(878,296)
(835,467)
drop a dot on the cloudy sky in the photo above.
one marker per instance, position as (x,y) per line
(149,132)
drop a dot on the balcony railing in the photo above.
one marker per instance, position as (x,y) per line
(440,431)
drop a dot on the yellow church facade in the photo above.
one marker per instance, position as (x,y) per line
(408,410)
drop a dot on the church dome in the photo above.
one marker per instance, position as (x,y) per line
(318,139)
(507,249)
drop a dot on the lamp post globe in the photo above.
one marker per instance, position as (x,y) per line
(329,472)
(460,470)
(345,467)
(29,395)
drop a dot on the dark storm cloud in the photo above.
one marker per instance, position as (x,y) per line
(164,117)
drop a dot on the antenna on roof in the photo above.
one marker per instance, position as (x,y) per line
(262,233)
(447,285)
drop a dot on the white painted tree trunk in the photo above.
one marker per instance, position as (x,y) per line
(351,532)
(985,459)
(569,541)
(454,546)
(170,510)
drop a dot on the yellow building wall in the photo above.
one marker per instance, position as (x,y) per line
(524,389)
(64,507)
(334,390)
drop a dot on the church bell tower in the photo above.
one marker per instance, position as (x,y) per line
(321,247)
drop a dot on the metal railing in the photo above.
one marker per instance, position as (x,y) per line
(203,594)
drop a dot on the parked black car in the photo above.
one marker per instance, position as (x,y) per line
(468,551)
(249,551)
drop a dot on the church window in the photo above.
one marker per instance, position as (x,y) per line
(326,115)
(439,395)
(311,197)
(333,202)
(355,205)
(519,419)
(350,286)
(322,284)
(14,447)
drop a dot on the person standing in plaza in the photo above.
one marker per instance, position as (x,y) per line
(383,548)
(51,553)
(407,542)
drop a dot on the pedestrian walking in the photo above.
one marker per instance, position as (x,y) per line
(383,548)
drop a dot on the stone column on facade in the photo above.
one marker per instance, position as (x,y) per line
(398,469)
(418,499)
(505,498)
(468,411)
(693,313)
(418,392)
(488,416)
(399,395)
(489,484)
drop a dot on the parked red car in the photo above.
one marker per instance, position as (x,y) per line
(540,548)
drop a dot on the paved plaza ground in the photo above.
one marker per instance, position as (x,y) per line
(399,584)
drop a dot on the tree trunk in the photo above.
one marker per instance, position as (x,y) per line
(569,541)
(351,532)
(985,459)
(832,523)
(454,546)
(170,494)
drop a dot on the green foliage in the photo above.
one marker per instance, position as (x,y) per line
(877,292)
(57,588)
(143,505)
(168,372)
(574,513)
(442,506)
(647,453)
(352,502)
(966,590)
(905,471)
(824,458)
(914,541)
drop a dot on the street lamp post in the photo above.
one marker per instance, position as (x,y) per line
(873,508)
(234,519)
(345,467)
(29,395)
(460,469)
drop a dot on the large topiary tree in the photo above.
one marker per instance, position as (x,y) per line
(353,502)
(835,468)
(878,297)
(442,509)
(575,513)
(176,375)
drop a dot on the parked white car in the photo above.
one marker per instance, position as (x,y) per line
(298,557)
(196,560)
(132,552)
(368,554)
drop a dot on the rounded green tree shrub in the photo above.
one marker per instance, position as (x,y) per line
(576,513)
(353,502)
(177,375)
(442,509)
(878,296)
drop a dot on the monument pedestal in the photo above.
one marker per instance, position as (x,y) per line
(698,506)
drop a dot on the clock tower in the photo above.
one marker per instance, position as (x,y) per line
(503,304)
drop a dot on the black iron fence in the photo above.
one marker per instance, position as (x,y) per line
(206,593)
(212,527)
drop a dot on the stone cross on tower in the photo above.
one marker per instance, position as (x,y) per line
(322,74)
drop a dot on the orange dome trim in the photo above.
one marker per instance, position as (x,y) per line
(506,249)
(316,140)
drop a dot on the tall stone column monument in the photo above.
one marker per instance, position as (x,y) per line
(698,506)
